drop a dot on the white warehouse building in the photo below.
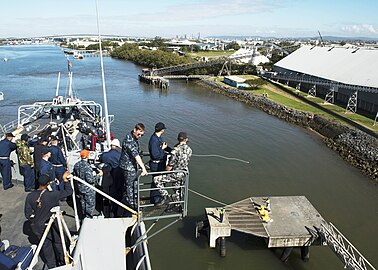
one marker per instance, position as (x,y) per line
(348,72)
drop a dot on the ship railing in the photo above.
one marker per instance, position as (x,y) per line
(344,249)
(28,113)
(8,127)
(175,206)
(110,198)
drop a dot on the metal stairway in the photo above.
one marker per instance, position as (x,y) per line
(344,249)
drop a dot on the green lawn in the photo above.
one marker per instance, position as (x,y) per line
(281,97)
(367,122)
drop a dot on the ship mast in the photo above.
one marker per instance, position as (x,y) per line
(107,125)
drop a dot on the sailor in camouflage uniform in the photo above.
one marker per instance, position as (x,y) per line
(83,170)
(26,162)
(129,161)
(178,160)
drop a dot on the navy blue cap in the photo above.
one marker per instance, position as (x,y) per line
(159,126)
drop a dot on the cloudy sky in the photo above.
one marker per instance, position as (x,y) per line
(170,18)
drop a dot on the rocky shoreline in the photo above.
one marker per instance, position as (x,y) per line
(353,145)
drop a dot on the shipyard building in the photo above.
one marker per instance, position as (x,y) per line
(346,76)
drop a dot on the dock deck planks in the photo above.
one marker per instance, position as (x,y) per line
(293,218)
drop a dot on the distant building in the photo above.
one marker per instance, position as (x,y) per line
(252,56)
(235,81)
(181,43)
(345,70)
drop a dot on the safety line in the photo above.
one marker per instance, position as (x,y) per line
(222,203)
(228,158)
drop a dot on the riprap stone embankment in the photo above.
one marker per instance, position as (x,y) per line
(353,145)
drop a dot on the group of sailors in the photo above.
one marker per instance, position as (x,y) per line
(43,159)
(46,177)
(122,163)
(159,152)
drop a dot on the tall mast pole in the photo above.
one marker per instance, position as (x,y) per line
(107,125)
(57,86)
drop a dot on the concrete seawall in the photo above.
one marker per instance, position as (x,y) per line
(353,145)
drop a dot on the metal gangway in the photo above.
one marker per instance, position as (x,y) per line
(216,61)
(344,249)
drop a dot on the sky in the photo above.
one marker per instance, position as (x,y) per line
(193,18)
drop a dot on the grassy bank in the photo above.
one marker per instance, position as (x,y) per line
(278,95)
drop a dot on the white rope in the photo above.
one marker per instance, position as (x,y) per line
(228,158)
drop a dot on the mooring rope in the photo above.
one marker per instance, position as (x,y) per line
(222,203)
(219,156)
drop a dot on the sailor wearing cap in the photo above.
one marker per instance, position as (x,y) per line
(6,147)
(113,155)
(84,171)
(42,143)
(26,162)
(37,208)
(157,148)
(111,158)
(47,167)
(179,160)
(158,158)
(58,160)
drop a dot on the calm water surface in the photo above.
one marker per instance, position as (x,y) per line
(285,159)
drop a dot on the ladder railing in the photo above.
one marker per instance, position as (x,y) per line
(153,212)
(344,249)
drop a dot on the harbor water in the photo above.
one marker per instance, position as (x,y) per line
(283,159)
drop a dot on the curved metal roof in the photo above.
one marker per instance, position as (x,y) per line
(356,66)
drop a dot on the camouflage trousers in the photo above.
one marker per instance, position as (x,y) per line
(176,179)
(88,202)
(130,188)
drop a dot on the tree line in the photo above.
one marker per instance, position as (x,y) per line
(148,58)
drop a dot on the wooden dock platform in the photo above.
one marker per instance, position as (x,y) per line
(155,80)
(294,220)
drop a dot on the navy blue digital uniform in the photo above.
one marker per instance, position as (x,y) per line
(129,166)
(6,147)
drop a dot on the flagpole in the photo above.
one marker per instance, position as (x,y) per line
(107,125)
(70,77)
